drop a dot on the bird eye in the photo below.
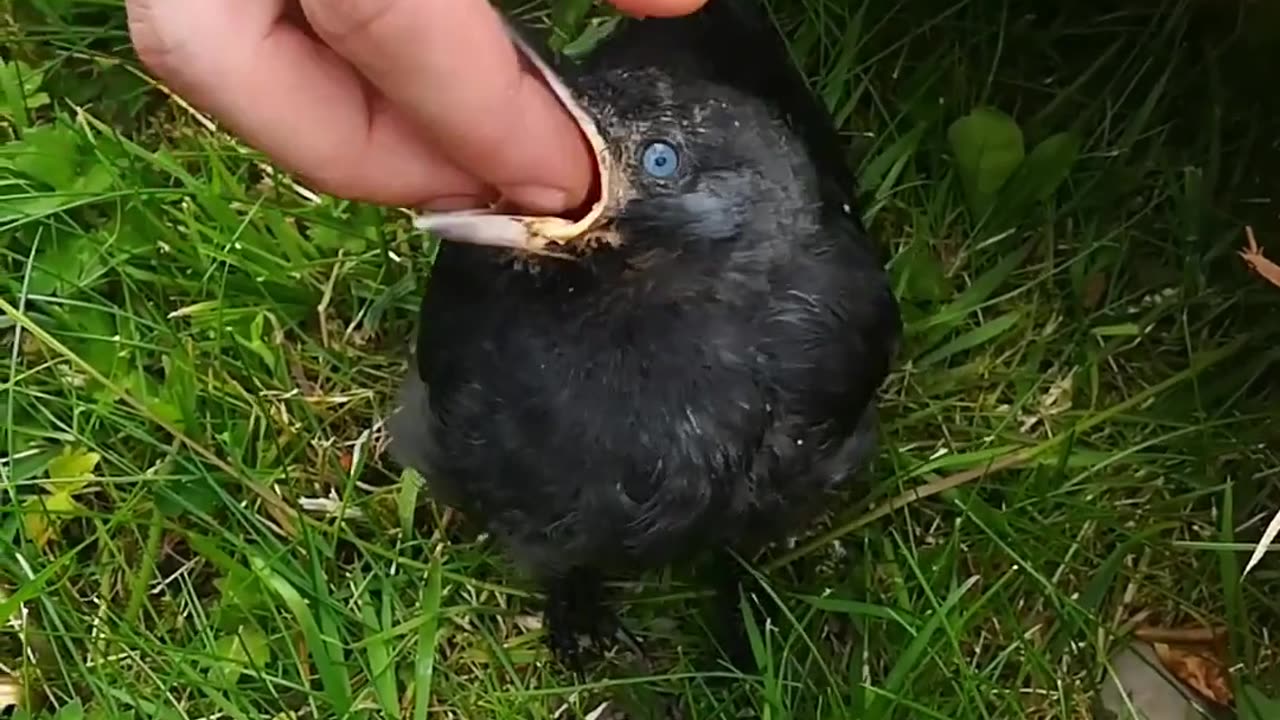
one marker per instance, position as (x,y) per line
(660,160)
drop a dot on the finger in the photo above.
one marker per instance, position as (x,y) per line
(293,99)
(657,8)
(451,66)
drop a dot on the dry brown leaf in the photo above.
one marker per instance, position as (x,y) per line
(1200,670)
(1252,255)
(10,692)
(1180,635)
(304,655)
(1095,288)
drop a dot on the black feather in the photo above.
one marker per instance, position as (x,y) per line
(711,383)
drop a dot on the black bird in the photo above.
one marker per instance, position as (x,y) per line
(689,365)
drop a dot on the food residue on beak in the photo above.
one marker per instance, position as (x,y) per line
(566,235)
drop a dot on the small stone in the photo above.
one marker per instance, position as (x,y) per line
(1152,693)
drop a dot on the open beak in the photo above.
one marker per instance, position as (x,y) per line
(540,234)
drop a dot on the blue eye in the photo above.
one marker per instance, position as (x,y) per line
(660,160)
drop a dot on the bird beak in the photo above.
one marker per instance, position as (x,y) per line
(542,234)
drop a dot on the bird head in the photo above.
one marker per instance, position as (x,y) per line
(700,129)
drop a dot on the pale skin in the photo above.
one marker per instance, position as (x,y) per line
(414,103)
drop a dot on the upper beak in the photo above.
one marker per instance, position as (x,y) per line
(543,234)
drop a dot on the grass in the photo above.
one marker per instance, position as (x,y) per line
(198,519)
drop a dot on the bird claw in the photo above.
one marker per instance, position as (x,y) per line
(576,609)
(565,640)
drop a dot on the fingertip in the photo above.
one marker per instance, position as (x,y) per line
(144,35)
(658,8)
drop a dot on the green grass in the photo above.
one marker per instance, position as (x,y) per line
(199,520)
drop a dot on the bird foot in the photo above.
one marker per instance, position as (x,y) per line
(576,610)
(729,625)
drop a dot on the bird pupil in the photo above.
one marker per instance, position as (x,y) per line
(660,159)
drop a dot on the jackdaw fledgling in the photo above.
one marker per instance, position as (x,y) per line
(687,366)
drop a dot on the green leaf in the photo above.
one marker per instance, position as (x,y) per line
(981,290)
(566,14)
(325,237)
(988,148)
(246,647)
(179,390)
(882,172)
(165,410)
(920,275)
(596,31)
(568,18)
(326,652)
(1048,165)
(28,467)
(178,497)
(73,710)
(977,337)
(18,206)
(49,154)
(106,712)
(1040,175)
(382,665)
(19,83)
(241,588)
(1256,706)
(42,514)
(912,658)
(428,639)
(255,644)
(97,179)
(72,470)
(67,264)
(1118,330)
(229,656)
(94,336)
(258,342)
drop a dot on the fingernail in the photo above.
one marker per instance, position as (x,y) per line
(537,198)
(453,202)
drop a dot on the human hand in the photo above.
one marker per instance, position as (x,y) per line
(419,103)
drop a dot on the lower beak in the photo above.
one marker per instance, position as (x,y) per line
(541,234)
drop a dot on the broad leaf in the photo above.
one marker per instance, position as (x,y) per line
(72,470)
(1039,176)
(1256,706)
(48,154)
(988,148)
(40,516)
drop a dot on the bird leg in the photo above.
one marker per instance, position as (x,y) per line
(576,607)
(728,622)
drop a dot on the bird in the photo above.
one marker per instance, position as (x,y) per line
(687,366)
